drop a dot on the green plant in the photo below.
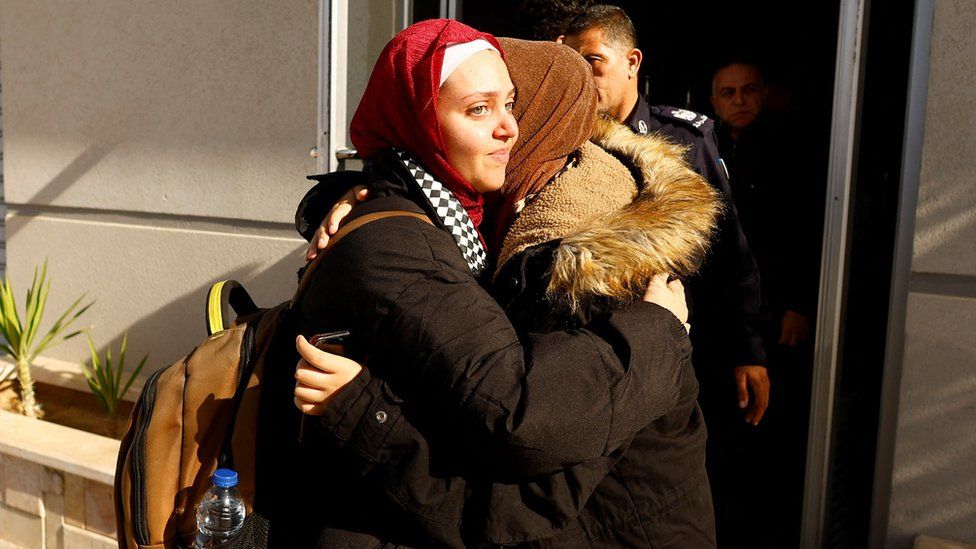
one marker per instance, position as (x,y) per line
(19,337)
(105,380)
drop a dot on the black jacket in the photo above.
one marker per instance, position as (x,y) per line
(652,493)
(458,433)
(780,206)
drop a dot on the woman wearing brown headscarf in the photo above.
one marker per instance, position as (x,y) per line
(591,224)
(592,221)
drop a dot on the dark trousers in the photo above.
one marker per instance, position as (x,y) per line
(757,473)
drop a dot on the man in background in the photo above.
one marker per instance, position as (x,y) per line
(780,205)
(727,298)
(777,204)
(729,354)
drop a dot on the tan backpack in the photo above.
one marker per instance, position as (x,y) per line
(201,413)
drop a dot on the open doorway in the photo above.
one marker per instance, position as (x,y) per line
(796,50)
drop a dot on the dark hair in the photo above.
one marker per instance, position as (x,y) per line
(616,25)
(546,19)
(733,60)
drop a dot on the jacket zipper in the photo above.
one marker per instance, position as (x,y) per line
(139,458)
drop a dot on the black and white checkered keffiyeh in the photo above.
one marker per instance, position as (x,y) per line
(451,213)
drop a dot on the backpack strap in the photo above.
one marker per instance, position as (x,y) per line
(224,294)
(248,360)
(242,304)
(231,294)
(342,233)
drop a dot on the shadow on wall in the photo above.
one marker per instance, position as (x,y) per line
(67,177)
(945,220)
(183,319)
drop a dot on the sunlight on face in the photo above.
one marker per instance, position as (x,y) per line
(474,110)
(610,65)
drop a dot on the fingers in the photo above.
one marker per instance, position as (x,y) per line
(341,209)
(676,286)
(656,288)
(787,335)
(740,383)
(316,357)
(311,376)
(308,408)
(670,295)
(762,402)
(330,225)
(319,240)
(758,381)
(337,214)
(311,394)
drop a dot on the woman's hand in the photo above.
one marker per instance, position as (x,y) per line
(330,224)
(670,295)
(320,374)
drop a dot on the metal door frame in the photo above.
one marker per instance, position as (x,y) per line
(918,79)
(332,81)
(827,344)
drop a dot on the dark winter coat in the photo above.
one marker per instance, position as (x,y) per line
(458,433)
(655,493)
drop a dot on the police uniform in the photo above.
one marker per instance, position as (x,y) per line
(727,307)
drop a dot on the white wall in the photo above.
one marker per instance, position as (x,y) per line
(934,482)
(151,148)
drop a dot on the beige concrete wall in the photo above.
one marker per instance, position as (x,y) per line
(55,486)
(934,483)
(151,148)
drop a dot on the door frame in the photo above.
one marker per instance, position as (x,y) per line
(911,168)
(827,344)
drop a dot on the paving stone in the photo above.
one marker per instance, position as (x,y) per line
(53,481)
(99,508)
(22,485)
(53,521)
(21,529)
(79,538)
(74,500)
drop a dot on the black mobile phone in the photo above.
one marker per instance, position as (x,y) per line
(330,338)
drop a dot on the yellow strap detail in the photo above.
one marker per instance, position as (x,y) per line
(215,313)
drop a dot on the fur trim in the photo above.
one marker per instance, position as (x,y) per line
(666,229)
(594,183)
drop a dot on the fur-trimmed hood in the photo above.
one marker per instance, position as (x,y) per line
(618,232)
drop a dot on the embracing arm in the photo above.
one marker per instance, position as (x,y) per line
(536,405)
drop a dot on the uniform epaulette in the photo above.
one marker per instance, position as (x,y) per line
(691,119)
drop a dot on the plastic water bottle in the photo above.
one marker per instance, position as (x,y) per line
(220,514)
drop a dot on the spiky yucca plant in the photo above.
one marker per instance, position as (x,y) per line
(105,379)
(19,337)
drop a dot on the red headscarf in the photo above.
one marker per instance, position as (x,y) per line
(397,108)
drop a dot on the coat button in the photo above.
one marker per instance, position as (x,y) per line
(381,417)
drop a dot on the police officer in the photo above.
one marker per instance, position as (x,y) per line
(726,299)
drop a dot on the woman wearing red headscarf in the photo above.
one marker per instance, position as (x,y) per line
(436,127)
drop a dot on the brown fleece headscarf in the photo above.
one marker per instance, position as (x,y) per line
(555,107)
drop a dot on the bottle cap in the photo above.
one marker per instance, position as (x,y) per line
(225,478)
